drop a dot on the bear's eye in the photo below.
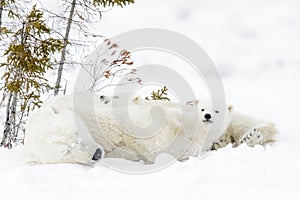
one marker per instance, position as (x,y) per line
(221,140)
(202,109)
(216,111)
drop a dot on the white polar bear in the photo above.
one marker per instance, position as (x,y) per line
(75,128)
(237,128)
(204,137)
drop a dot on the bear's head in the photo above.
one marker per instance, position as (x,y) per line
(210,114)
(213,118)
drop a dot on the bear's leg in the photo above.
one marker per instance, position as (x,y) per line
(223,141)
(252,137)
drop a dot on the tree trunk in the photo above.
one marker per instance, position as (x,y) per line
(1,11)
(13,117)
(9,133)
(63,53)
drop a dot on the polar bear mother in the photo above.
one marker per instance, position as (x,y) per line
(60,132)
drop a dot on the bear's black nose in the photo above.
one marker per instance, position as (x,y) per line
(97,155)
(207,116)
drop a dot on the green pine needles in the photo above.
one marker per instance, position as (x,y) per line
(28,58)
(161,94)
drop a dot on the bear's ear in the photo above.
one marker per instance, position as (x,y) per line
(194,102)
(136,100)
(230,108)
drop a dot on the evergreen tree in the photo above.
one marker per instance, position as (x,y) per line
(28,58)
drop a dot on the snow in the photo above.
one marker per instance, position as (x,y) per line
(255,46)
(256,173)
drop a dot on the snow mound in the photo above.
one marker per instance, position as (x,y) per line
(270,172)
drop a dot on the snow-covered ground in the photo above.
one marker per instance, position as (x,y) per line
(255,46)
(242,173)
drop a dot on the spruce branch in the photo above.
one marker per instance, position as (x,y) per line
(161,95)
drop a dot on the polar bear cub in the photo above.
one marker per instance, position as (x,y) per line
(215,117)
(201,124)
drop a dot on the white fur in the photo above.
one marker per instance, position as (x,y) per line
(246,129)
(192,115)
(57,134)
(53,138)
(218,121)
(237,128)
